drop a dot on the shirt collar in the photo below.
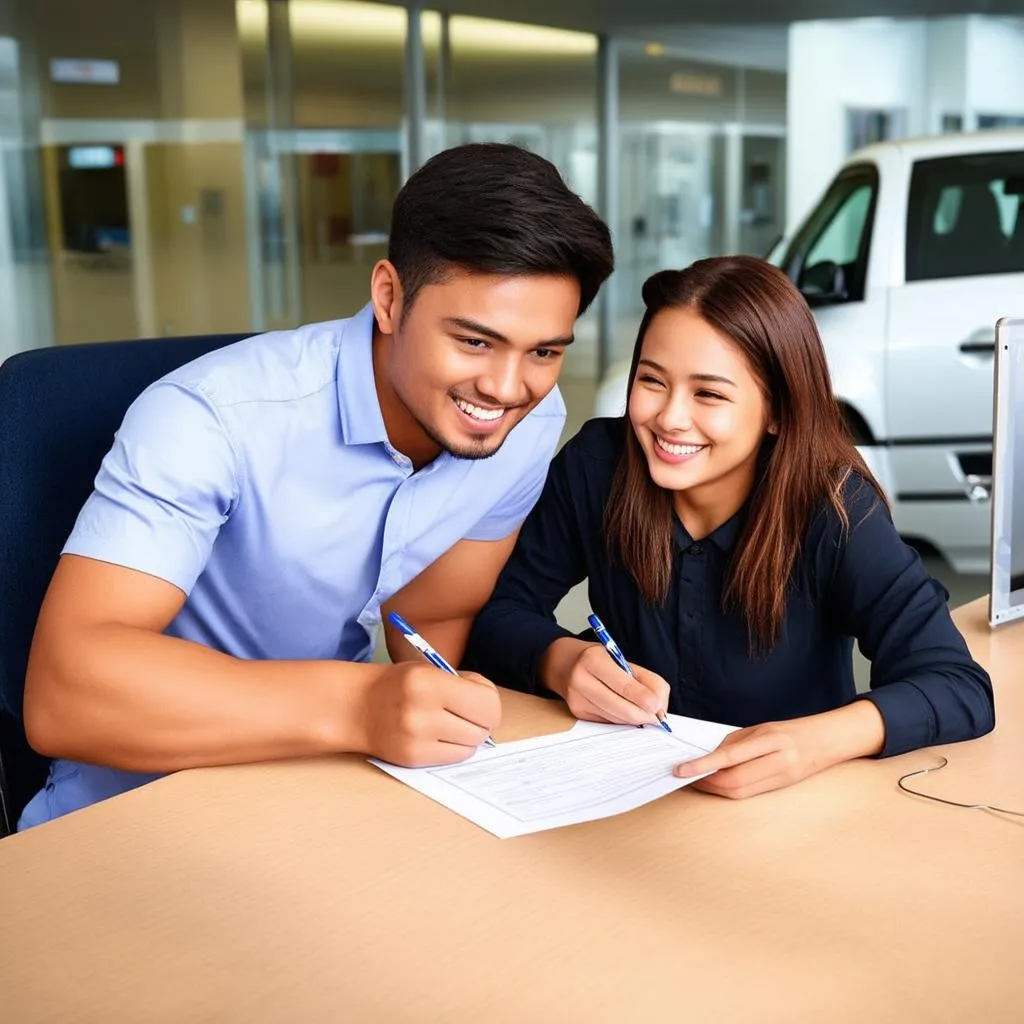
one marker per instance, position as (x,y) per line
(724,537)
(358,406)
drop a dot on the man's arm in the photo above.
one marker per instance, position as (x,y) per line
(442,602)
(105,686)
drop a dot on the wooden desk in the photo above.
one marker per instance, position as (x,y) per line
(326,891)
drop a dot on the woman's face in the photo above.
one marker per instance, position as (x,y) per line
(698,411)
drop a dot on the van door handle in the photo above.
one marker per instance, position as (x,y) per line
(978,348)
(981,342)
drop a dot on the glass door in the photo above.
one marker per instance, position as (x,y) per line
(667,202)
(319,212)
(91,243)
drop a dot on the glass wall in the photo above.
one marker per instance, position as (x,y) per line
(326,122)
(497,81)
(141,166)
(702,166)
(25,305)
(224,165)
(208,165)
(181,166)
(324,106)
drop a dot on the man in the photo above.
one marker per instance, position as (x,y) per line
(261,507)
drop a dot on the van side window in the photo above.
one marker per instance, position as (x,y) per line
(829,257)
(966,217)
(840,240)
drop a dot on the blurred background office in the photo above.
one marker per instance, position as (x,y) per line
(198,165)
(172,167)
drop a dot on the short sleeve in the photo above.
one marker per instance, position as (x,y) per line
(515,504)
(164,489)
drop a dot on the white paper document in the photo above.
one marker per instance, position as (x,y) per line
(591,771)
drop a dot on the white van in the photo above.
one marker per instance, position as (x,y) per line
(908,260)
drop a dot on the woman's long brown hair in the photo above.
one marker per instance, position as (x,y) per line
(805,465)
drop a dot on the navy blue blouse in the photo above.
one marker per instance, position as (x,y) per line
(862,582)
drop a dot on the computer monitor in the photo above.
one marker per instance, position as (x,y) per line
(1006,592)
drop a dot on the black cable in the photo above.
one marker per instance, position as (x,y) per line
(942,799)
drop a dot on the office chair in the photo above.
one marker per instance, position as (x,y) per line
(59,410)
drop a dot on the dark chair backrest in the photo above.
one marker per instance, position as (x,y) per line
(59,410)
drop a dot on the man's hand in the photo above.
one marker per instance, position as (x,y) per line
(586,677)
(777,754)
(200,707)
(413,714)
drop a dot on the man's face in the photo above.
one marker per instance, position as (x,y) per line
(470,359)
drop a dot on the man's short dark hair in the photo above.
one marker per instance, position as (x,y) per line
(492,208)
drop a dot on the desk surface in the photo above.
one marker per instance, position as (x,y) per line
(325,891)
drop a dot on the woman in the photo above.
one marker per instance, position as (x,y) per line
(735,543)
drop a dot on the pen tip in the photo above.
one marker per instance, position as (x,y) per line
(665,725)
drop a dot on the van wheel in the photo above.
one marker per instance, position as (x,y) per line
(860,432)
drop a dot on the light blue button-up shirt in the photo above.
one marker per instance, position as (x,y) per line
(260,481)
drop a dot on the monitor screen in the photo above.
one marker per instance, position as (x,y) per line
(1006,593)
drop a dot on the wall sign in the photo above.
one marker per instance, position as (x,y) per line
(85,72)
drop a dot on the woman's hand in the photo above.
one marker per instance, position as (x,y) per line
(586,677)
(777,754)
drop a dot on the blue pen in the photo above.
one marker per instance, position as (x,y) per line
(613,649)
(427,651)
